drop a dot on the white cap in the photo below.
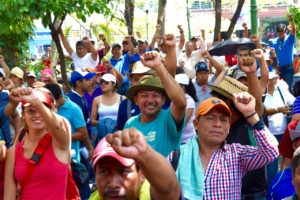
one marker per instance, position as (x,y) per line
(109,78)
(31,74)
(272,75)
(182,79)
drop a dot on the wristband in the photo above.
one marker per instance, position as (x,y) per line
(249,116)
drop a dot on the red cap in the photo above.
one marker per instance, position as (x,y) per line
(44,96)
(100,69)
(104,149)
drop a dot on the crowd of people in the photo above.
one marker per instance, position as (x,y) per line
(158,120)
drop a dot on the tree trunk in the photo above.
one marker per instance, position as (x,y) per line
(235,18)
(129,15)
(55,37)
(161,15)
(218,17)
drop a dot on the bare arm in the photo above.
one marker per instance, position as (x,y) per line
(4,66)
(82,135)
(172,88)
(245,32)
(106,45)
(293,25)
(248,65)
(182,37)
(66,43)
(264,73)
(10,184)
(171,59)
(219,68)
(130,143)
(91,48)
(155,37)
(94,111)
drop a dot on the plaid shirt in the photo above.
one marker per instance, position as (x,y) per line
(228,165)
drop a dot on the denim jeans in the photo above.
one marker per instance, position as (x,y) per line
(287,74)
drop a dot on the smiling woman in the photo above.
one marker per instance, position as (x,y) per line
(46,132)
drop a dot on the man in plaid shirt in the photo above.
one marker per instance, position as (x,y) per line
(211,169)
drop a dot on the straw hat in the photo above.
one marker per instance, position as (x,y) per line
(228,87)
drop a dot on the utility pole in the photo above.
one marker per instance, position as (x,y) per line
(253,11)
(188,18)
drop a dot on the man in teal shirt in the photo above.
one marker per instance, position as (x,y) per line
(162,128)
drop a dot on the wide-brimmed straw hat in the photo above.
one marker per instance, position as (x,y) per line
(147,82)
(228,87)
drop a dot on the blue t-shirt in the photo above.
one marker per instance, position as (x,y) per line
(4,120)
(296,106)
(161,133)
(284,49)
(73,114)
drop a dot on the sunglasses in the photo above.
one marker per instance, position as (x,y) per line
(124,43)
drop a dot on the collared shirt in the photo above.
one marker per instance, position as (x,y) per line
(190,62)
(284,49)
(228,165)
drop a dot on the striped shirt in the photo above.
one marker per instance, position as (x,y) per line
(228,165)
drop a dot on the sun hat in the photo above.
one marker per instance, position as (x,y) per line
(104,149)
(139,68)
(294,130)
(18,72)
(46,71)
(239,74)
(79,75)
(182,79)
(207,105)
(147,82)
(228,87)
(109,78)
(44,95)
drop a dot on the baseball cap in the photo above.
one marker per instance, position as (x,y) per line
(210,103)
(18,72)
(44,96)
(201,66)
(2,72)
(239,74)
(31,74)
(79,74)
(109,78)
(142,40)
(104,149)
(46,71)
(294,130)
(100,69)
(272,75)
(182,79)
(115,45)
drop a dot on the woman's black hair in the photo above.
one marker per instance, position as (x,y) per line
(190,90)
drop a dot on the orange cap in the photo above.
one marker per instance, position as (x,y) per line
(211,103)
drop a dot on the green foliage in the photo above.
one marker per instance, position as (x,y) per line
(295,11)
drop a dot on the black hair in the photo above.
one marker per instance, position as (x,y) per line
(296,160)
(281,28)
(296,89)
(55,89)
(81,43)
(244,48)
(190,90)
(179,70)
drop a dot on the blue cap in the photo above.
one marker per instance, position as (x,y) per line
(78,75)
(201,66)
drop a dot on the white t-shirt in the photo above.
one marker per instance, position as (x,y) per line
(190,62)
(85,61)
(189,129)
(278,121)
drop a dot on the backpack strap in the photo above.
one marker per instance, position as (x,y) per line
(281,95)
(36,157)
